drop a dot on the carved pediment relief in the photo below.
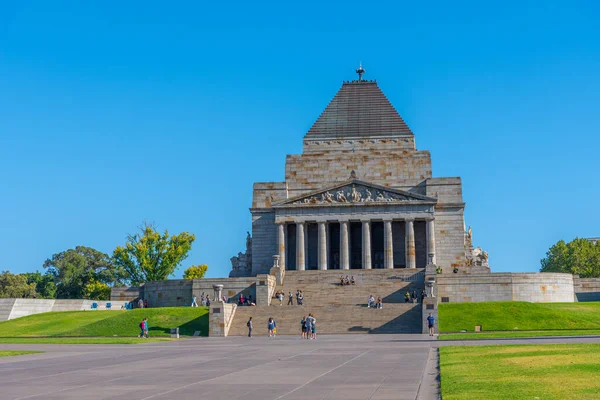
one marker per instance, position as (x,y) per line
(356,192)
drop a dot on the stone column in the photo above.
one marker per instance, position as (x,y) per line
(388,245)
(366,244)
(344,251)
(322,246)
(410,244)
(431,240)
(281,239)
(300,259)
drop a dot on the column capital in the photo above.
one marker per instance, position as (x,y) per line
(388,219)
(365,220)
(409,219)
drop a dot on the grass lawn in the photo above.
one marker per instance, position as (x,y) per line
(543,372)
(6,353)
(108,323)
(517,334)
(75,340)
(516,315)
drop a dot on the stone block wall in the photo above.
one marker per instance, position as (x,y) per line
(449,238)
(306,172)
(535,287)
(264,242)
(586,289)
(126,293)
(220,318)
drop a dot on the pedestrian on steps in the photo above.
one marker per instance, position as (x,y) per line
(407,297)
(290,299)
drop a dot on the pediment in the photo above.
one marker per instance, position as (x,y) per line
(355,192)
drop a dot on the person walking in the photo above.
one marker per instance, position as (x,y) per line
(194,304)
(313,326)
(271,326)
(414,296)
(249,325)
(423,295)
(281,298)
(141,335)
(300,298)
(431,324)
(290,299)
(140,303)
(407,297)
(146,327)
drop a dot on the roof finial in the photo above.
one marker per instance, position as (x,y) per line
(360,71)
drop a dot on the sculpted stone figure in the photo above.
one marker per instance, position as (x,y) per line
(368,197)
(356,196)
(327,197)
(341,197)
(380,197)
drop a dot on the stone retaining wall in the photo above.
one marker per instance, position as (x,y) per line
(16,308)
(532,287)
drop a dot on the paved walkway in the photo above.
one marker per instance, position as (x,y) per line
(332,367)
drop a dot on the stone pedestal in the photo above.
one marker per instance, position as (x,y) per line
(218,292)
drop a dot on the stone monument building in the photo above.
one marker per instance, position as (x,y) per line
(360,196)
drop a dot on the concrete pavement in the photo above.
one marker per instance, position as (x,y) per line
(331,367)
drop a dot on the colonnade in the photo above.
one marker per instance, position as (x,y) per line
(388,242)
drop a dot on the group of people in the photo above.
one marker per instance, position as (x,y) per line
(309,327)
(371,303)
(246,300)
(280,294)
(143,328)
(414,296)
(204,300)
(347,281)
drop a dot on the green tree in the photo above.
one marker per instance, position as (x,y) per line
(97,291)
(73,269)
(16,286)
(44,284)
(152,256)
(579,257)
(195,272)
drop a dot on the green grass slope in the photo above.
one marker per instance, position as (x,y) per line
(522,316)
(108,323)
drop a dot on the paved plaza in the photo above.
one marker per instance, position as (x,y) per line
(261,368)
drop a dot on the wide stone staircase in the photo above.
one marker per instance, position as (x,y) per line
(340,309)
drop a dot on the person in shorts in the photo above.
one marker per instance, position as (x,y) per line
(430,324)
(303,325)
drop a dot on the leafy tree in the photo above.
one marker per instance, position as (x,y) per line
(16,286)
(195,272)
(44,284)
(97,291)
(579,257)
(152,256)
(75,268)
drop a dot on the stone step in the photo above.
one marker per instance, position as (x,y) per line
(398,318)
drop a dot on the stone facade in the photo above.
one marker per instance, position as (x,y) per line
(359,196)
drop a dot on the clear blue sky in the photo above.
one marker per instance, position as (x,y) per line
(112,113)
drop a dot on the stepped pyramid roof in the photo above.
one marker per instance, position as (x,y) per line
(359,109)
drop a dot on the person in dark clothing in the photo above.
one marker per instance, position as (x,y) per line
(290,299)
(430,324)
(249,325)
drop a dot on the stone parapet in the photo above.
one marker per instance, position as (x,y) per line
(532,287)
